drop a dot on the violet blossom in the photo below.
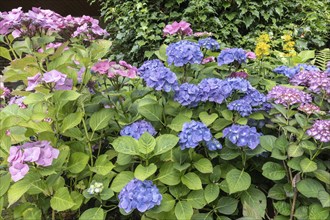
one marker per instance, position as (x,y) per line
(181,27)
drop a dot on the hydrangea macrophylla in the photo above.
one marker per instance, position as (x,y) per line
(17,100)
(242,135)
(320,130)
(61,81)
(149,67)
(230,55)
(243,107)
(290,72)
(288,96)
(101,67)
(193,133)
(239,84)
(251,55)
(33,81)
(316,81)
(213,90)
(140,195)
(181,27)
(213,144)
(241,74)
(208,60)
(95,187)
(184,52)
(39,152)
(137,128)
(122,69)
(54,46)
(187,95)
(4,92)
(209,43)
(309,108)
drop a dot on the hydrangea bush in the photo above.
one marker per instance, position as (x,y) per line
(85,137)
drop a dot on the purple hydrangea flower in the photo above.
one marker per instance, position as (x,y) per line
(241,106)
(241,74)
(17,100)
(183,52)
(140,195)
(320,130)
(230,55)
(316,81)
(61,81)
(67,85)
(213,144)
(18,171)
(290,72)
(288,96)
(255,98)
(33,82)
(101,67)
(242,135)
(209,43)
(193,133)
(208,60)
(4,92)
(137,128)
(309,108)
(213,90)
(187,95)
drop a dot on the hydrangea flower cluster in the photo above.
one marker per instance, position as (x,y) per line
(241,74)
(209,43)
(140,195)
(4,92)
(187,95)
(183,52)
(157,76)
(59,79)
(137,128)
(290,72)
(309,108)
(230,55)
(251,55)
(242,135)
(288,96)
(213,144)
(193,133)
(113,69)
(181,27)
(95,188)
(39,152)
(316,81)
(320,130)
(37,20)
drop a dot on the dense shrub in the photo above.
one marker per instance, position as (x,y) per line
(136,25)
(198,133)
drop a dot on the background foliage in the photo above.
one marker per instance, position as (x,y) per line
(136,25)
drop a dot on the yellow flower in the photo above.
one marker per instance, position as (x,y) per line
(286,37)
(262,49)
(289,46)
(263,38)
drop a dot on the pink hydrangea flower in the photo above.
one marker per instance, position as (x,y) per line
(15,155)
(181,27)
(33,82)
(31,154)
(53,45)
(208,60)
(101,67)
(5,92)
(61,81)
(288,96)
(320,130)
(18,171)
(251,55)
(309,108)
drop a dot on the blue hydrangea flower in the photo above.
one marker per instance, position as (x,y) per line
(193,133)
(290,72)
(255,98)
(244,108)
(230,55)
(213,144)
(183,52)
(209,43)
(149,67)
(140,195)
(137,128)
(239,84)
(213,90)
(187,95)
(242,135)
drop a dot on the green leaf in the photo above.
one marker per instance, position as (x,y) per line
(322,175)
(106,194)
(237,180)
(146,143)
(204,165)
(208,119)
(165,143)
(277,192)
(150,109)
(121,180)
(183,210)
(5,183)
(308,145)
(166,205)
(227,205)
(267,142)
(310,188)
(211,192)
(4,52)
(295,151)
(77,198)
(282,207)
(306,55)
(143,173)
(71,121)
(77,162)
(257,116)
(34,98)
(227,114)
(324,198)
(316,212)
(126,145)
(273,171)
(301,212)
(61,200)
(307,165)
(93,214)
(192,181)
(196,199)
(102,165)
(254,203)
(32,213)
(100,119)
(178,122)
(168,175)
